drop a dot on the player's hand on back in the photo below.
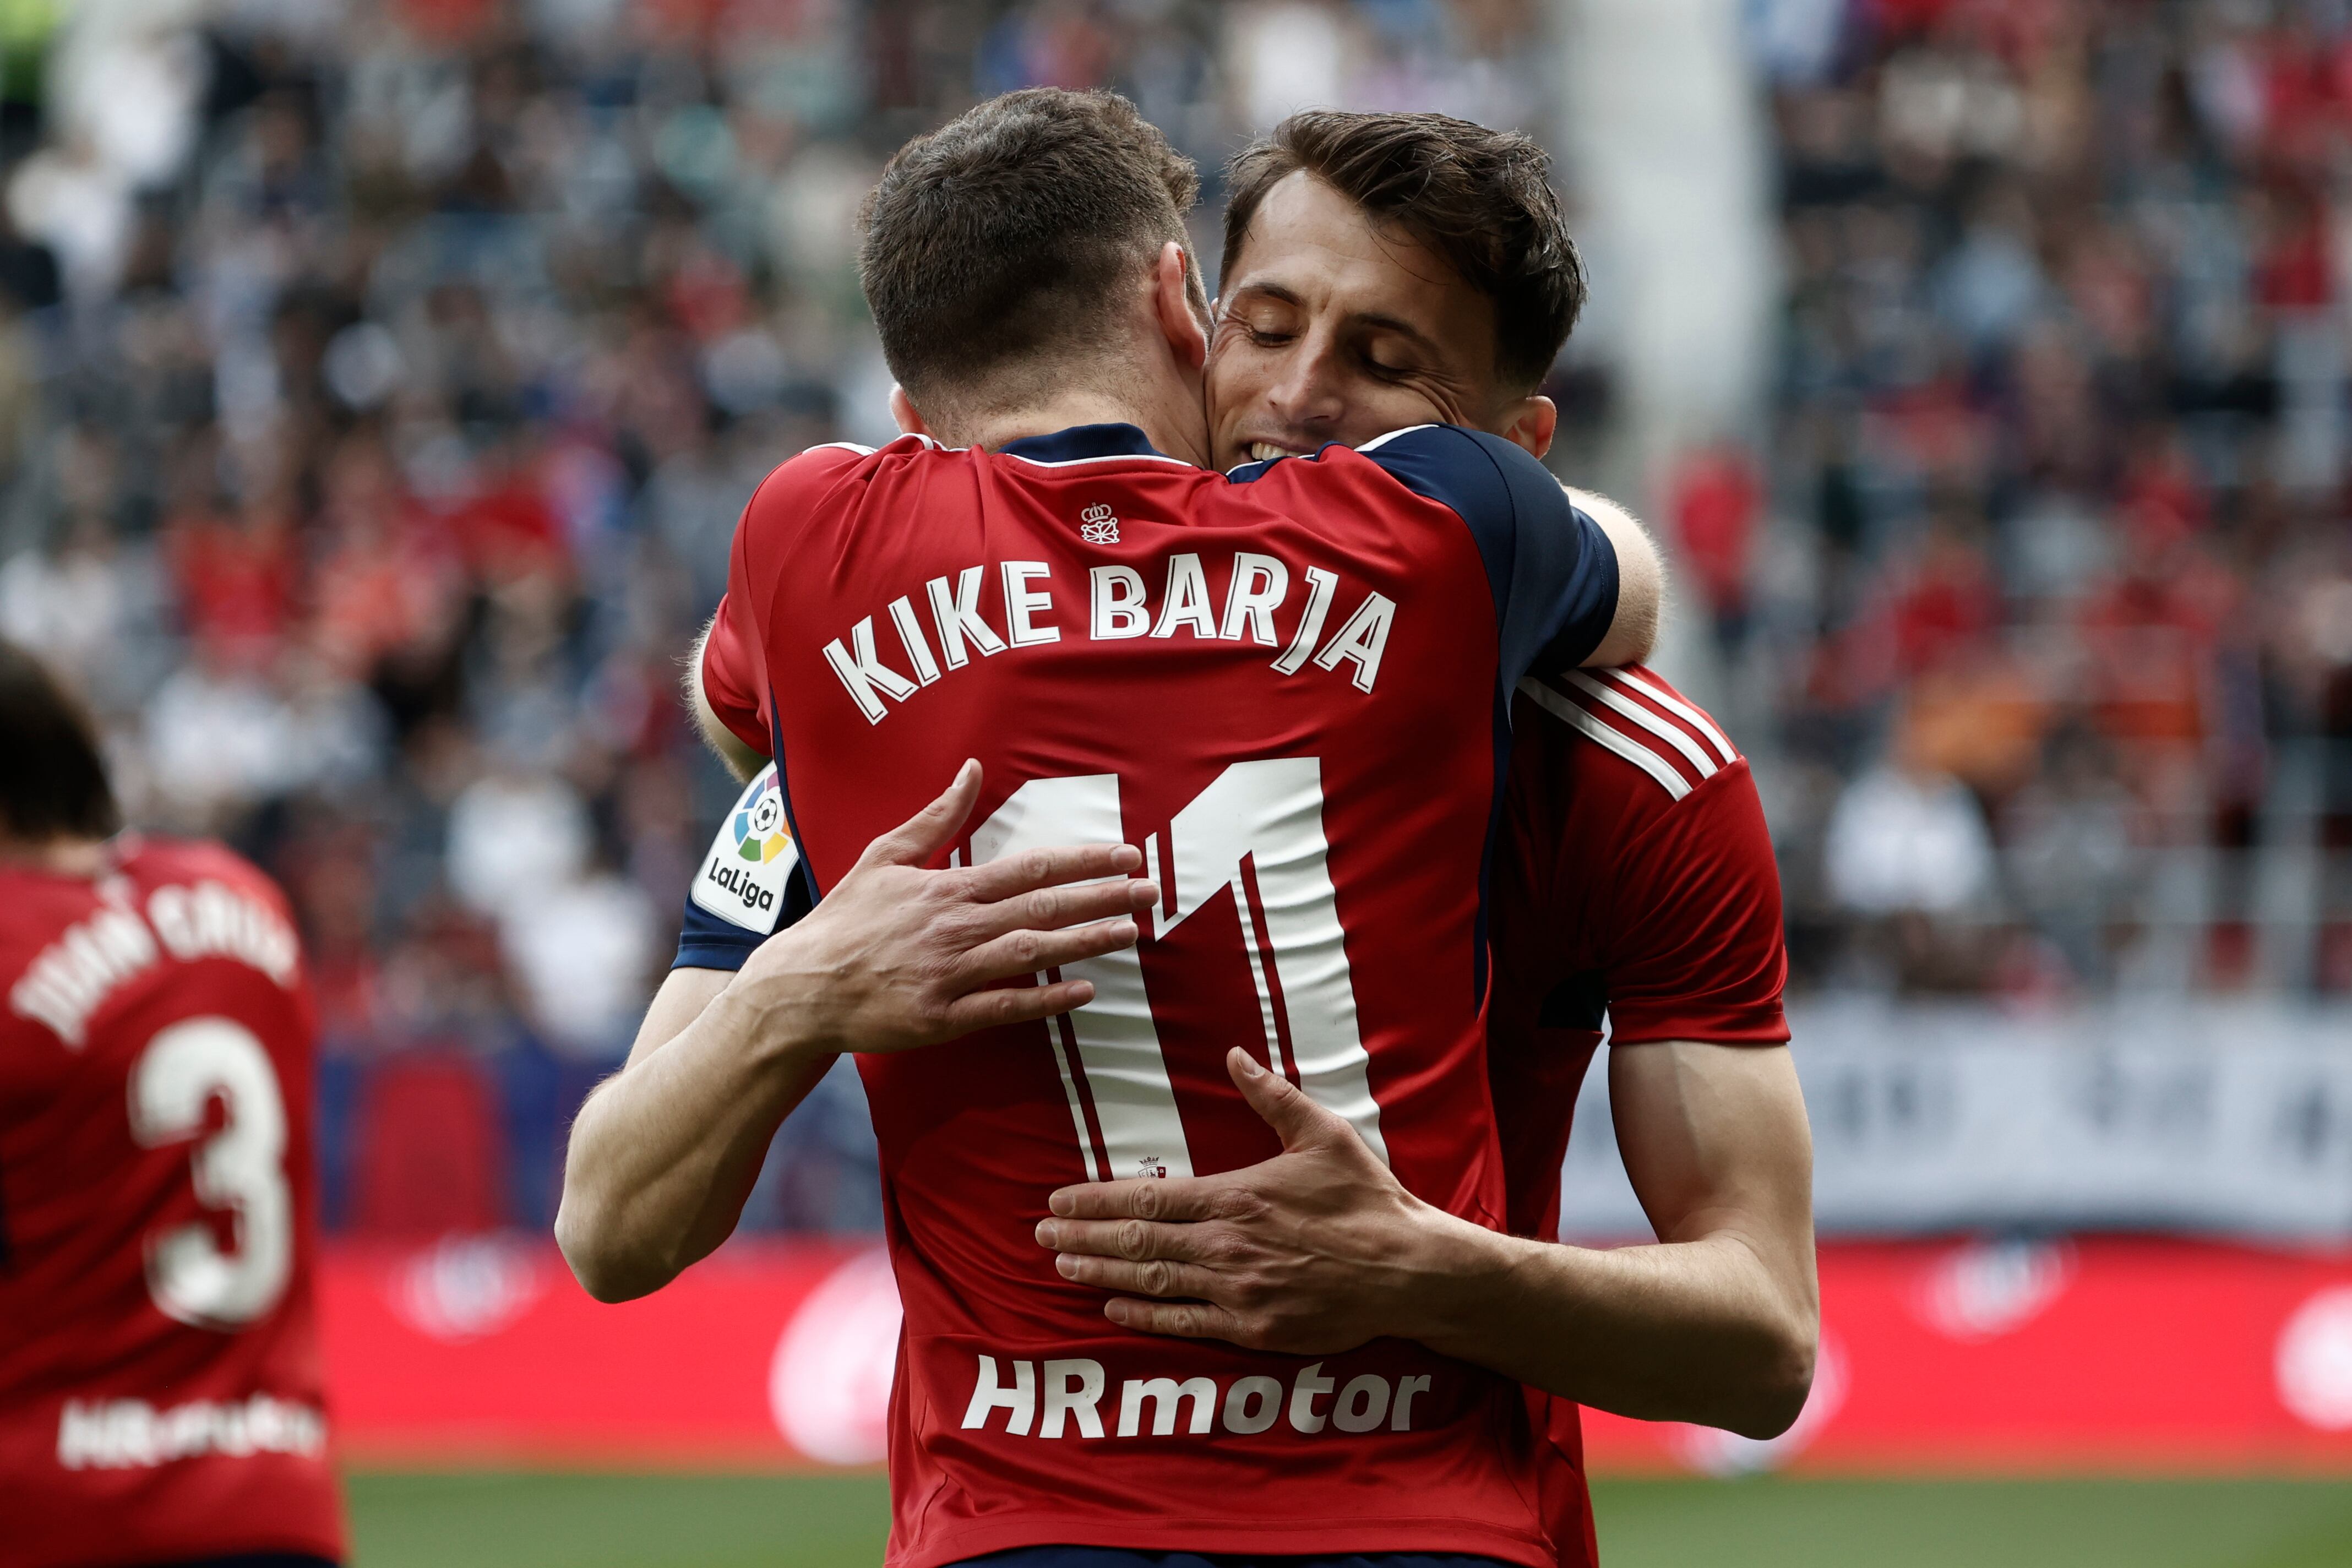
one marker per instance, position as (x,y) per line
(897,955)
(1310,1253)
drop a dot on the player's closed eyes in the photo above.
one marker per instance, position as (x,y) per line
(1274,338)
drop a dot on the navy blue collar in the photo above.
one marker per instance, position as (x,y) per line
(1080,442)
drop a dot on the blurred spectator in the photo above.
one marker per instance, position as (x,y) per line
(516,838)
(1909,855)
(1902,841)
(1713,499)
(93,604)
(2076,853)
(585,949)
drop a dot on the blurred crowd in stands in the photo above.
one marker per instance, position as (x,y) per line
(380,381)
(2059,598)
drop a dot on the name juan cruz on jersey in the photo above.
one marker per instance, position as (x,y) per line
(1121,604)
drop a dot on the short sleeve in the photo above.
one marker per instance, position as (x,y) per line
(1695,951)
(1553,570)
(749,886)
(730,672)
(734,665)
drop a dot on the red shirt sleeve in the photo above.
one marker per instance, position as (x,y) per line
(732,672)
(734,663)
(1692,945)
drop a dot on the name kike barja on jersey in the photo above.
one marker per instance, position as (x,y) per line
(1120,607)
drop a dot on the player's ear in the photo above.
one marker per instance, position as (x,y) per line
(903,410)
(1180,306)
(1530,423)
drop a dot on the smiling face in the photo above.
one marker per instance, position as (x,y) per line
(1330,329)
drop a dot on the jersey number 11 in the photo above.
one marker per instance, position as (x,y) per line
(1257,829)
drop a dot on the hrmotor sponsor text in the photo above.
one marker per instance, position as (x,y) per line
(1072,1397)
(131,1434)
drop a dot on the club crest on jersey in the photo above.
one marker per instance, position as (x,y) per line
(1097,525)
(742,878)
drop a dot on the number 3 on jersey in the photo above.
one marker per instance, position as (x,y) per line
(1259,830)
(240,1168)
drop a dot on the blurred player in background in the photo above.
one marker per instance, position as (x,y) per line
(161,1396)
(1381,270)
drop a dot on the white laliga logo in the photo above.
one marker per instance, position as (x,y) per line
(829,1384)
(466,1288)
(743,876)
(1982,1290)
(2315,1361)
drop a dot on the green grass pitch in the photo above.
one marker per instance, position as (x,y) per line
(510,1520)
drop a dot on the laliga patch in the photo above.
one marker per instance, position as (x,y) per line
(742,878)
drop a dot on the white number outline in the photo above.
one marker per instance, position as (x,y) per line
(1256,829)
(240,1170)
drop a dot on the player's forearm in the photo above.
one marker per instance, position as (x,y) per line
(1699,1330)
(1640,583)
(664,1154)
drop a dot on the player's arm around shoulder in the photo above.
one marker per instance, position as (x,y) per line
(1571,562)
(893,957)
(1641,582)
(1321,1248)
(1714,1139)
(1634,571)
(1575,584)
(1710,1121)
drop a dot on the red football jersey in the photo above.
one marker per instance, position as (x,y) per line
(1635,876)
(161,1393)
(1288,685)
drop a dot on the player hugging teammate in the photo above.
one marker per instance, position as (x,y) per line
(1313,858)
(160,1396)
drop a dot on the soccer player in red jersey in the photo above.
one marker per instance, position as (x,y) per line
(1635,877)
(161,1396)
(1289,685)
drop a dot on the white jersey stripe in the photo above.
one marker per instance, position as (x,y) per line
(1625,745)
(1057,1035)
(1105,458)
(1111,1045)
(1654,691)
(1377,442)
(1661,727)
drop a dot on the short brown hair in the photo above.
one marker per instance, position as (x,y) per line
(1002,238)
(52,779)
(1479,198)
